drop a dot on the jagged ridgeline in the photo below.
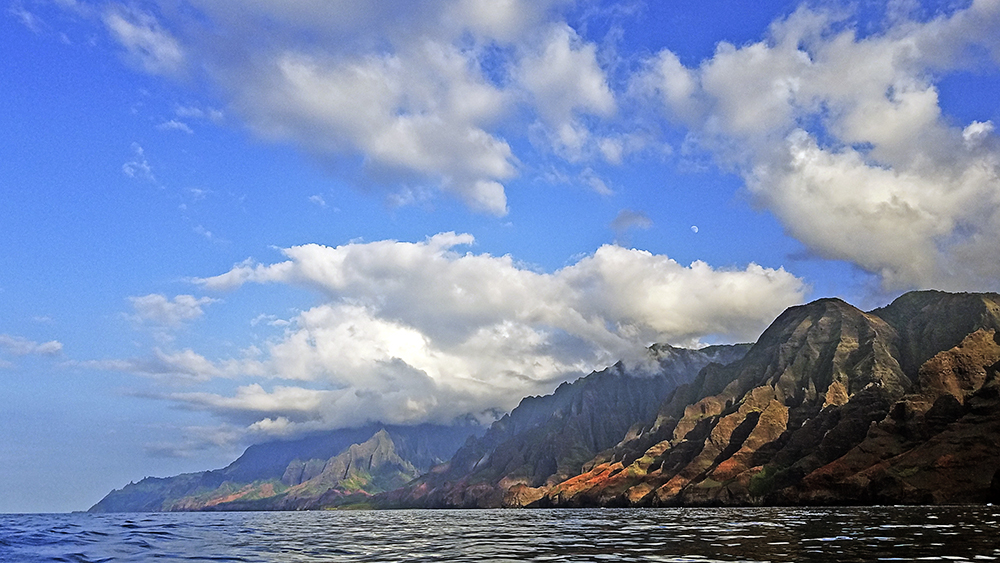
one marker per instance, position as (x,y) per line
(832,405)
(321,470)
(546,440)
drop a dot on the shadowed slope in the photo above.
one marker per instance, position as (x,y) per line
(546,440)
(764,429)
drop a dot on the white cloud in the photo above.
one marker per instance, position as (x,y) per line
(977,133)
(28,19)
(182,366)
(843,138)
(612,150)
(416,116)
(160,310)
(20,346)
(146,42)
(565,77)
(676,84)
(506,21)
(565,81)
(138,167)
(254,402)
(175,125)
(194,112)
(416,93)
(412,332)
(594,182)
(201,230)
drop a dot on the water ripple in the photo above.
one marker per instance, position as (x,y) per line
(662,535)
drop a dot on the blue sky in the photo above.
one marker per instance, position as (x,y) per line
(226,222)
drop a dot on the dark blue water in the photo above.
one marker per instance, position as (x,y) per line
(691,534)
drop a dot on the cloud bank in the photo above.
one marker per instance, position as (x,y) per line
(843,138)
(840,134)
(414,91)
(416,332)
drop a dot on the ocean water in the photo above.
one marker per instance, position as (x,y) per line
(967,533)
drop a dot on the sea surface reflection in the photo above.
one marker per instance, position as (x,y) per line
(966,533)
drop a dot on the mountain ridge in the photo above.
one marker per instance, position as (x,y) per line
(546,439)
(814,388)
(254,480)
(832,405)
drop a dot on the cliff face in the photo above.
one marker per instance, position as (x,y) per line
(939,444)
(832,405)
(546,440)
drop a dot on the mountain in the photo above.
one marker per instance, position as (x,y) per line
(361,470)
(831,406)
(546,440)
(318,470)
(939,444)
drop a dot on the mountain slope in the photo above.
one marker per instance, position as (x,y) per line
(801,414)
(361,470)
(939,444)
(546,439)
(266,473)
(832,405)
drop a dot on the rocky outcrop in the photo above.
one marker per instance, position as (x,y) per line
(939,444)
(546,440)
(832,405)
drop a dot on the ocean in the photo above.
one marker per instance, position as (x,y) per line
(893,533)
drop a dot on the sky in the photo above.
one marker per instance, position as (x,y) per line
(226,222)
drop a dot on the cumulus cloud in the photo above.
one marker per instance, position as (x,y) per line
(415,116)
(160,310)
(842,136)
(414,92)
(20,346)
(414,332)
(566,80)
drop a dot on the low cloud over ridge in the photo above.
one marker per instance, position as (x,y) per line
(414,332)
